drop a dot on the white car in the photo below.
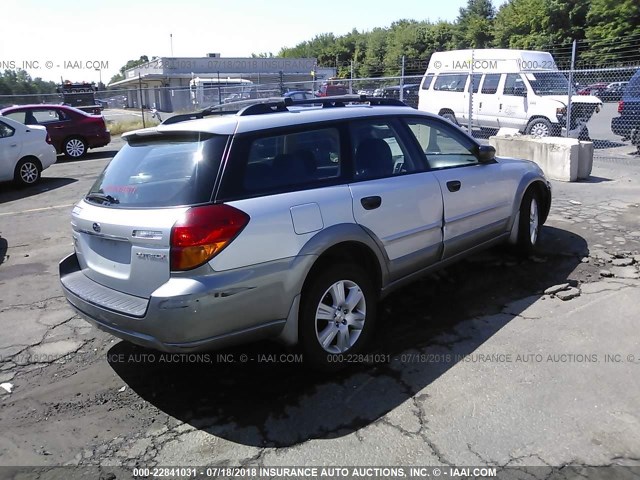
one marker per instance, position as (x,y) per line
(25,150)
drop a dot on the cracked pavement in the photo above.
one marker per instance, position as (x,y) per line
(475,365)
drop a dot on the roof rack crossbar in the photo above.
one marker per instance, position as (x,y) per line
(279,104)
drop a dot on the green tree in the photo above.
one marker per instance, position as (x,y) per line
(474,24)
(613,32)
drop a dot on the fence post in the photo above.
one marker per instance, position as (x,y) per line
(573,64)
(351,79)
(141,105)
(470,113)
(402,81)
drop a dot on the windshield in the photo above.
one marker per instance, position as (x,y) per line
(162,171)
(549,83)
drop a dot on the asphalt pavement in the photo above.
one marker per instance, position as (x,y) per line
(475,365)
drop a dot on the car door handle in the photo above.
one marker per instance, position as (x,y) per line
(13,145)
(371,203)
(454,185)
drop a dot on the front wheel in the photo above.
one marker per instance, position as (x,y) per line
(529,223)
(75,147)
(27,173)
(539,127)
(336,316)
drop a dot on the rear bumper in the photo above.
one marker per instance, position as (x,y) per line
(192,314)
(99,140)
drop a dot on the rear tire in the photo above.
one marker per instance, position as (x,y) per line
(74,147)
(529,223)
(27,172)
(337,316)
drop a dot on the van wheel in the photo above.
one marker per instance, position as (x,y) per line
(337,315)
(539,127)
(27,173)
(529,223)
(451,117)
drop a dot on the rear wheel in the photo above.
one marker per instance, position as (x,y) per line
(27,172)
(336,316)
(75,147)
(529,222)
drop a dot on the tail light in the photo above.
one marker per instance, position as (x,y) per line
(202,233)
(620,106)
(48,139)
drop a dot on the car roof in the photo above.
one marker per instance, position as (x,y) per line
(234,123)
(35,106)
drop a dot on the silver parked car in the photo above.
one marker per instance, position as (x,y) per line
(287,223)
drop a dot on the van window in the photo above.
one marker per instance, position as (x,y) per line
(450,82)
(514,85)
(426,83)
(490,84)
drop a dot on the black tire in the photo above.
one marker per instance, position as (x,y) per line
(74,147)
(27,172)
(319,290)
(527,241)
(540,127)
(450,117)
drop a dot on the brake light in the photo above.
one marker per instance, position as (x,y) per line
(620,106)
(202,233)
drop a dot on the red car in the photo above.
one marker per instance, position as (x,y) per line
(72,131)
(593,89)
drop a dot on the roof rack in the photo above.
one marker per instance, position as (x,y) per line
(262,106)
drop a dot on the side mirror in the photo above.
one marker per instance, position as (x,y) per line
(520,91)
(486,153)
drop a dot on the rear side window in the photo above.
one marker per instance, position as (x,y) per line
(162,171)
(17,116)
(426,83)
(450,82)
(282,161)
(490,84)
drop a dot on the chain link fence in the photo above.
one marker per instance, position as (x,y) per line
(597,104)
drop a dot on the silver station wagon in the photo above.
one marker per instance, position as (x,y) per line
(287,223)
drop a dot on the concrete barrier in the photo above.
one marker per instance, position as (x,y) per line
(564,159)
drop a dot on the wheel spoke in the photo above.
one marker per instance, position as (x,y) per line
(327,335)
(354,297)
(343,339)
(325,312)
(337,292)
(356,320)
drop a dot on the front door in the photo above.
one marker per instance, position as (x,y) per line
(478,198)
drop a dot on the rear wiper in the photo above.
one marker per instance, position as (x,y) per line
(102,197)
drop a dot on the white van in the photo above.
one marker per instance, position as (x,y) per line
(520,89)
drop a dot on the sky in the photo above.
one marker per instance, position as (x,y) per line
(91,40)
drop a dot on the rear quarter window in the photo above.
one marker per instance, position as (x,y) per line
(162,171)
(450,82)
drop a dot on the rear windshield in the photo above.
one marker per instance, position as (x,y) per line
(161,171)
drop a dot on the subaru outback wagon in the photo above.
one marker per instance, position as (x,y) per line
(287,223)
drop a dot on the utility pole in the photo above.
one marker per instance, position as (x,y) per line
(470,114)
(570,88)
(141,105)
(402,81)
(171,42)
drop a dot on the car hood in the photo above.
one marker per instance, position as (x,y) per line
(575,99)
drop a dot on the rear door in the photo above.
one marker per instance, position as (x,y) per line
(486,105)
(478,198)
(59,125)
(394,198)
